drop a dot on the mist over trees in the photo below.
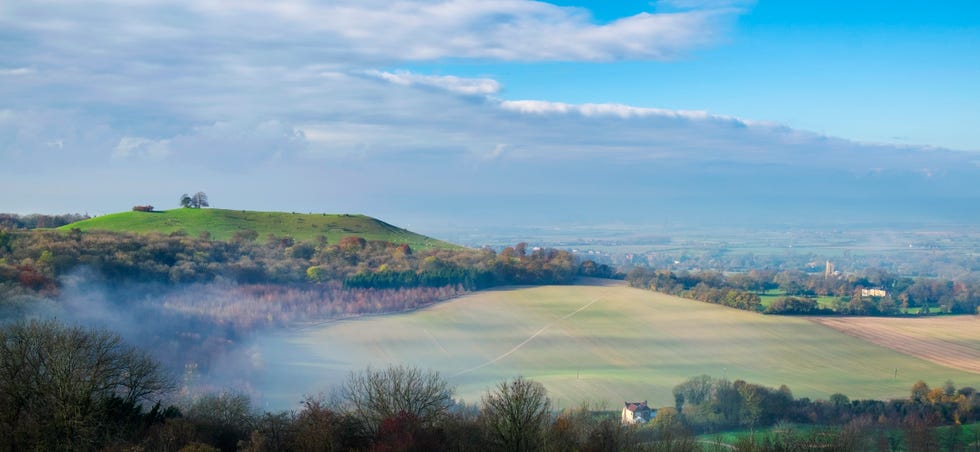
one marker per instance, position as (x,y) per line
(401,407)
(207,297)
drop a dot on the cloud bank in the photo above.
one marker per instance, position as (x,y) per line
(301,105)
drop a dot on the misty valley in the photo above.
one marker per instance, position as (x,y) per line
(276,326)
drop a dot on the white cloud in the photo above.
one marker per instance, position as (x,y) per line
(223,145)
(135,147)
(461,85)
(360,30)
(540,107)
(16,71)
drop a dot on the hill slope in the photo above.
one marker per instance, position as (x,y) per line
(593,343)
(222,224)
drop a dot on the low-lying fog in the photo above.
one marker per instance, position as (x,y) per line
(216,337)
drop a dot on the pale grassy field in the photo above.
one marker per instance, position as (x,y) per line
(603,344)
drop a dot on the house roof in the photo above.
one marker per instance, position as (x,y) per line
(637,406)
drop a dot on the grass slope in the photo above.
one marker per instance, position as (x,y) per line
(603,344)
(222,224)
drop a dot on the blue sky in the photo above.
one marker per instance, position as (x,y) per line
(879,71)
(443,112)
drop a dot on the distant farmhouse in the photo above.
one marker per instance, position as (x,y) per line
(637,413)
(873,292)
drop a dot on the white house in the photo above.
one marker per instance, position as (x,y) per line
(637,413)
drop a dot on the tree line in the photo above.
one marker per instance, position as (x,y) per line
(486,269)
(35,220)
(704,405)
(871,292)
(708,404)
(35,259)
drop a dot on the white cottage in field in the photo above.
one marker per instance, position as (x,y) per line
(637,413)
(873,292)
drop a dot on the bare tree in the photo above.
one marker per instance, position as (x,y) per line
(374,395)
(57,381)
(227,417)
(516,414)
(200,200)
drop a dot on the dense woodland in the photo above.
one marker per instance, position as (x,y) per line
(71,388)
(36,259)
(741,290)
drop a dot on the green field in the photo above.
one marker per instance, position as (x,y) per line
(966,437)
(768,297)
(602,344)
(222,225)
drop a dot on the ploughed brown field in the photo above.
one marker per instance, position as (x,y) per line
(952,341)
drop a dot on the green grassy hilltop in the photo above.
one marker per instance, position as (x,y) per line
(222,224)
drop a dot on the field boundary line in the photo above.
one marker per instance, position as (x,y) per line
(436,341)
(529,339)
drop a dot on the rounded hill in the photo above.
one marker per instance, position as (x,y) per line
(223,224)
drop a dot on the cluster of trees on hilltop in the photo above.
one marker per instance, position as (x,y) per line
(200,199)
(741,291)
(69,388)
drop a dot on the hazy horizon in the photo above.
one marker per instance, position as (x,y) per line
(440,116)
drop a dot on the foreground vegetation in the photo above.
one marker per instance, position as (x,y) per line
(70,388)
(858,435)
